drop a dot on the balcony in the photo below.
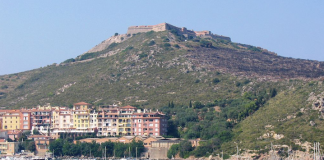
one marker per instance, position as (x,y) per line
(4,147)
(82,118)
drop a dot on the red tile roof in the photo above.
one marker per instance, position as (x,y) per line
(82,103)
(38,136)
(14,132)
(128,107)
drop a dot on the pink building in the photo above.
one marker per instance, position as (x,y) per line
(151,123)
(25,119)
(41,119)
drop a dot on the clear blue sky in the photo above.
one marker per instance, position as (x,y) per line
(34,33)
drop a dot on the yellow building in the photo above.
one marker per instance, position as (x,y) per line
(55,117)
(125,120)
(8,148)
(81,116)
(11,120)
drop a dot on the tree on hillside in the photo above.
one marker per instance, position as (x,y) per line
(174,149)
(36,132)
(185,148)
(31,146)
(273,92)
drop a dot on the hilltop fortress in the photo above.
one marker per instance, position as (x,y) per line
(183,31)
(157,28)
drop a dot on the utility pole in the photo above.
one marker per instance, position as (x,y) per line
(222,155)
(136,153)
(105,152)
(237,151)
(314,150)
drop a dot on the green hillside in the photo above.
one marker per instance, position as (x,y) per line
(212,89)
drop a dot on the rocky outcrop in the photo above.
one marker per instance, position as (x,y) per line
(104,44)
(317,103)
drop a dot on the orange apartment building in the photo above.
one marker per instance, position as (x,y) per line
(108,121)
(42,144)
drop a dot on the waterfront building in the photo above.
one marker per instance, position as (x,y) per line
(11,120)
(8,148)
(108,121)
(84,119)
(41,118)
(147,123)
(125,120)
(42,143)
(93,120)
(81,116)
(25,119)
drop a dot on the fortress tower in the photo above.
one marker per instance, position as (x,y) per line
(165,26)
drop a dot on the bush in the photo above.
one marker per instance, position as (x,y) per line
(165,39)
(69,60)
(4,87)
(216,80)
(112,45)
(31,147)
(36,132)
(255,49)
(129,48)
(176,46)
(151,43)
(167,45)
(116,34)
(174,149)
(88,56)
(205,43)
(143,55)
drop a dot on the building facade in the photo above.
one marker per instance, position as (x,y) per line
(81,116)
(83,119)
(11,120)
(41,118)
(108,121)
(8,148)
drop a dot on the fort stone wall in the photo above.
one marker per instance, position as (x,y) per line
(165,26)
(138,29)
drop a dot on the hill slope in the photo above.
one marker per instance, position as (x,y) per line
(239,90)
(153,63)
